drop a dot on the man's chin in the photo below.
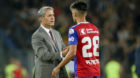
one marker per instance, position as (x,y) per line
(52,25)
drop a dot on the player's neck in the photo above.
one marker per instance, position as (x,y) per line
(80,20)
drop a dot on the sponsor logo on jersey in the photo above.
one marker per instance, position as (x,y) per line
(92,62)
(71,38)
(82,31)
(71,31)
(91,31)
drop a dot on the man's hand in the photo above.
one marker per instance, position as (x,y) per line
(55,72)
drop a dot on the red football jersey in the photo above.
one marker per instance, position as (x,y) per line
(86,62)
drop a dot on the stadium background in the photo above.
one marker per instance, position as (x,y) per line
(117,20)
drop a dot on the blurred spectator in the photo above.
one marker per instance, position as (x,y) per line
(113,68)
(15,70)
(133,70)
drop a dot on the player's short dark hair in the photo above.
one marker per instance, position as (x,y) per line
(81,6)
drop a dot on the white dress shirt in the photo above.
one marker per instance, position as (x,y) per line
(46,29)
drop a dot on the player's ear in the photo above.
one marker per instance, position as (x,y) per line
(75,13)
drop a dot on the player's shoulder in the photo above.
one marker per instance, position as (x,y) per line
(74,26)
(72,29)
(78,25)
(83,25)
(93,26)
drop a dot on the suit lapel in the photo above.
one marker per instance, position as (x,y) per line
(47,37)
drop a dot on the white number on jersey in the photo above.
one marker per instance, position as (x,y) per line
(89,45)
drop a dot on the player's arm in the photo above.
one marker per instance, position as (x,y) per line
(69,56)
(73,42)
(65,51)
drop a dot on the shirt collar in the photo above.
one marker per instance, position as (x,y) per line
(46,29)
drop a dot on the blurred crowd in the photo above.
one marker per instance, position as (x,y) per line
(117,20)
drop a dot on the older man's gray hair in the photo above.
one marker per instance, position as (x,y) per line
(42,11)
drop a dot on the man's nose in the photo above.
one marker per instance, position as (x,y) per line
(53,18)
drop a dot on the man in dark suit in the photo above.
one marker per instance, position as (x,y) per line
(48,45)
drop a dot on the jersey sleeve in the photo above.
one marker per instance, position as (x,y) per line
(73,37)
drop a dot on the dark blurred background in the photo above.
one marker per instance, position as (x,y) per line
(117,20)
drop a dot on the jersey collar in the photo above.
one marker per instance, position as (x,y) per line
(82,22)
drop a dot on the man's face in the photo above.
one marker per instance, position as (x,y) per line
(48,19)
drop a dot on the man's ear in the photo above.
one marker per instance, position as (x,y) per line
(75,13)
(40,18)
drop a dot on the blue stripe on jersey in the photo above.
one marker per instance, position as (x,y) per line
(75,65)
(73,37)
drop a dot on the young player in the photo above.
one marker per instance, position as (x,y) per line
(83,45)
